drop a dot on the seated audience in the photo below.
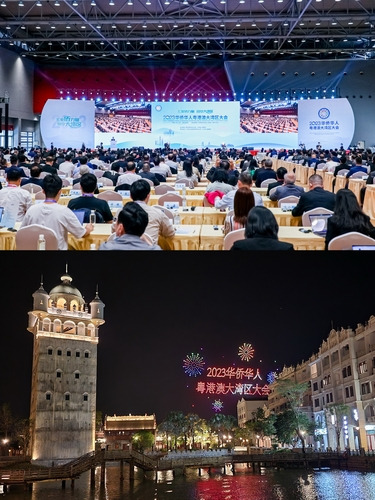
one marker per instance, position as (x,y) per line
(243,202)
(261,232)
(159,224)
(34,178)
(315,197)
(289,188)
(88,200)
(146,173)
(244,180)
(15,200)
(130,176)
(187,173)
(219,182)
(263,173)
(130,225)
(280,173)
(55,216)
(348,216)
(357,167)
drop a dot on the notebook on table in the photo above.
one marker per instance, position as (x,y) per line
(318,223)
(363,247)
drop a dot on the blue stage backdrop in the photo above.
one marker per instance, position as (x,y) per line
(254,124)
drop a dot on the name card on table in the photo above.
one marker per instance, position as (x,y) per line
(100,184)
(74,193)
(124,194)
(115,203)
(181,186)
(39,200)
(62,176)
(287,207)
(172,205)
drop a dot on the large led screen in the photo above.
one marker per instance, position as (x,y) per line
(68,123)
(250,124)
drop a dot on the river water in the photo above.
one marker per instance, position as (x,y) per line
(269,484)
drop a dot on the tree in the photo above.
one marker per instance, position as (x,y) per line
(6,420)
(290,426)
(193,423)
(339,410)
(173,425)
(99,420)
(294,392)
(221,425)
(22,433)
(142,440)
(262,425)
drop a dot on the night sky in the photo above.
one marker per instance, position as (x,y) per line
(162,306)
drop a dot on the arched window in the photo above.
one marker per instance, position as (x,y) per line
(85,397)
(87,354)
(49,350)
(81,328)
(48,396)
(76,375)
(74,306)
(90,330)
(57,326)
(61,303)
(59,373)
(46,325)
(69,327)
(67,396)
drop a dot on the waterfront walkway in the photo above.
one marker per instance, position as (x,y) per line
(180,462)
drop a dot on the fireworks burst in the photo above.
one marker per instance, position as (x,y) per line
(271,377)
(246,352)
(193,365)
(217,405)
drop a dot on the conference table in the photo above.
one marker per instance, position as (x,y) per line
(187,237)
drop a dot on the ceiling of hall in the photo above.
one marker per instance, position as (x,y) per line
(165,30)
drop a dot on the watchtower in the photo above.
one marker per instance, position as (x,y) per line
(63,391)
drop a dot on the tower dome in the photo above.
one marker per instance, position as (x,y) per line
(65,293)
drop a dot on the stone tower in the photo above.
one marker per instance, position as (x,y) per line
(63,390)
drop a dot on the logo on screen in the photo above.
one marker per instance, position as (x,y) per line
(158,107)
(323,113)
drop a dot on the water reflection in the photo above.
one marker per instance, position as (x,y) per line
(209,485)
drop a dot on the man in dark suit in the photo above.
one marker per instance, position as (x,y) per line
(280,172)
(34,178)
(146,174)
(262,174)
(315,197)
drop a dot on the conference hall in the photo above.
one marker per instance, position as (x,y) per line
(204,75)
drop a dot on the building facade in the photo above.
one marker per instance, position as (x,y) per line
(341,392)
(64,371)
(119,429)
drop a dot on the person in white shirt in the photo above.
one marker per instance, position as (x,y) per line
(14,198)
(130,176)
(54,216)
(161,168)
(67,166)
(226,202)
(159,224)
